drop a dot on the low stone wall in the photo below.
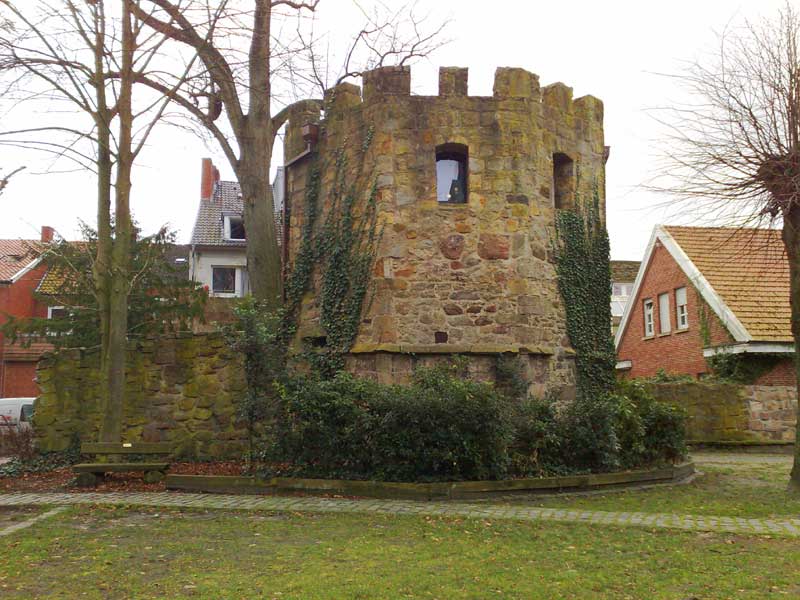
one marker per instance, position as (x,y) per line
(772,411)
(546,371)
(180,389)
(727,412)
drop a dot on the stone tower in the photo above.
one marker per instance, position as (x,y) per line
(468,189)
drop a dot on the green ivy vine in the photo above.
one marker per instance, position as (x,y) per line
(584,280)
(343,249)
(298,281)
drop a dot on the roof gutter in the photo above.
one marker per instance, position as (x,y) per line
(751,348)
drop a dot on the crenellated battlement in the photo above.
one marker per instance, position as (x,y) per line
(393,84)
(509,83)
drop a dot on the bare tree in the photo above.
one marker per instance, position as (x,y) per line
(86,56)
(737,144)
(250,52)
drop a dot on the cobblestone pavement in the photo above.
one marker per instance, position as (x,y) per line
(780,527)
(740,458)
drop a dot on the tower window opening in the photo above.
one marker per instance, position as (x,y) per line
(451,173)
(563,184)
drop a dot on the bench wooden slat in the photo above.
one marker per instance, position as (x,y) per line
(127,448)
(118,467)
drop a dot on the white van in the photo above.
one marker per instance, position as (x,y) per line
(15,412)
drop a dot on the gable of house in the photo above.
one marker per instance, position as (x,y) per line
(676,350)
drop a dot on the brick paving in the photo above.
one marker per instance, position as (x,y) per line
(777,527)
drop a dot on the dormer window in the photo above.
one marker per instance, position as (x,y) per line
(234,228)
(451,173)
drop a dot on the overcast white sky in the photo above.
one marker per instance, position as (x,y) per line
(611,50)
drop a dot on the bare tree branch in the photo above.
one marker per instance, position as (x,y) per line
(4,180)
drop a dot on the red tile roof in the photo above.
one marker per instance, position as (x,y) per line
(748,269)
(15,255)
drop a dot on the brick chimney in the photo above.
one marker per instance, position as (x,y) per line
(47,234)
(209,175)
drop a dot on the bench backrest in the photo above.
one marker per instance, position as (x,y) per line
(126,448)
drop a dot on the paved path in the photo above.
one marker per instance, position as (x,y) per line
(735,459)
(782,527)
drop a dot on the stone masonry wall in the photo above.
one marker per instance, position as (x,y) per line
(180,389)
(475,278)
(726,412)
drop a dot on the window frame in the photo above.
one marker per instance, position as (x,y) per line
(50,310)
(236,282)
(648,311)
(662,312)
(458,153)
(226,228)
(682,314)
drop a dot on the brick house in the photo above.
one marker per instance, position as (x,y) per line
(21,271)
(704,291)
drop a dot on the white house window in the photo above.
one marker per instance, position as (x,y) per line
(648,318)
(223,280)
(234,228)
(621,289)
(57,312)
(681,309)
(664,316)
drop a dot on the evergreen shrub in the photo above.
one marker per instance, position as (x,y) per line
(440,427)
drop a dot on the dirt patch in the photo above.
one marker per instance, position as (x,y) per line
(63,479)
(11,515)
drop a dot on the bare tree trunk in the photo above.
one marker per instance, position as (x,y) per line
(263,256)
(111,430)
(791,240)
(102,266)
(101,270)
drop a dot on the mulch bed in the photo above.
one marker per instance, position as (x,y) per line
(63,480)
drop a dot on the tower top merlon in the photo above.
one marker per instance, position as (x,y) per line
(387,81)
(343,95)
(557,95)
(512,82)
(453,81)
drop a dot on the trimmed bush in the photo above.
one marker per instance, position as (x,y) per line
(627,429)
(663,435)
(441,427)
(444,427)
(536,448)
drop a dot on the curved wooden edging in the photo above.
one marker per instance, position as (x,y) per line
(429,491)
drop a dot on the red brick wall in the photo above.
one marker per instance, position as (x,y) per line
(16,378)
(781,374)
(678,352)
(19,380)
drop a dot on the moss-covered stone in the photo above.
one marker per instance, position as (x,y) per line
(179,389)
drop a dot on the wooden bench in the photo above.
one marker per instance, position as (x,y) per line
(88,473)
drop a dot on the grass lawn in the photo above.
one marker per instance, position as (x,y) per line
(731,485)
(148,553)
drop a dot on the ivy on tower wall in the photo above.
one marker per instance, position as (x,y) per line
(341,250)
(584,280)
